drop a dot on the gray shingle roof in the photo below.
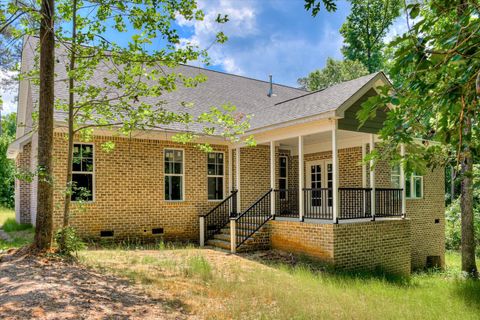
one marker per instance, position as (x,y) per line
(247,94)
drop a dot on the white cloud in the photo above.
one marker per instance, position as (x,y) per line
(241,24)
(8,94)
(261,43)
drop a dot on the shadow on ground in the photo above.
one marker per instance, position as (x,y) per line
(33,287)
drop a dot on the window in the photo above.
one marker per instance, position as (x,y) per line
(82,172)
(283,176)
(173,163)
(413,184)
(215,175)
(395,176)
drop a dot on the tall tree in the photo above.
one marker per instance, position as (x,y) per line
(335,71)
(438,98)
(44,223)
(365,30)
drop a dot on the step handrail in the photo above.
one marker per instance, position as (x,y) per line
(257,214)
(219,216)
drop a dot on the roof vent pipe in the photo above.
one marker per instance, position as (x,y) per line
(270,91)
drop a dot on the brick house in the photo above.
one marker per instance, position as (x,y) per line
(302,189)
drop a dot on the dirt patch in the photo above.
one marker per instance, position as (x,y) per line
(42,288)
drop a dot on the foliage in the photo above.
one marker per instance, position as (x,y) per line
(70,241)
(453,213)
(316,5)
(438,62)
(7,167)
(335,71)
(365,29)
(11,225)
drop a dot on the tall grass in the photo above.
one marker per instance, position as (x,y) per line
(213,284)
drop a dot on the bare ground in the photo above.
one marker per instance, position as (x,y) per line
(42,288)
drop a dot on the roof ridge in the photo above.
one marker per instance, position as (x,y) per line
(334,85)
(240,76)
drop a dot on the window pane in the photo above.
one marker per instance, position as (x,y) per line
(283,172)
(178,155)
(77,164)
(215,188)
(168,155)
(408,188)
(418,187)
(173,188)
(87,165)
(87,151)
(211,169)
(76,150)
(396,170)
(282,184)
(177,168)
(220,170)
(82,187)
(395,181)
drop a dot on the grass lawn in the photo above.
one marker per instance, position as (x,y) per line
(216,285)
(20,234)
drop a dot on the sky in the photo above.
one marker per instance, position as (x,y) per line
(277,37)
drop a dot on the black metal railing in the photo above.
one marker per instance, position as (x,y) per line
(318,203)
(354,203)
(388,202)
(286,203)
(220,215)
(253,218)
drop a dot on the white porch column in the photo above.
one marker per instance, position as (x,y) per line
(230,170)
(372,177)
(364,165)
(301,205)
(237,178)
(272,176)
(402,181)
(364,179)
(202,231)
(335,171)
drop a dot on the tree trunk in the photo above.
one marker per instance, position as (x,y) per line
(44,223)
(466,203)
(71,104)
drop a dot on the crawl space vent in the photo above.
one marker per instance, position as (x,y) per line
(157,231)
(106,233)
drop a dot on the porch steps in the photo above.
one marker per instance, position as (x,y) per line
(222,238)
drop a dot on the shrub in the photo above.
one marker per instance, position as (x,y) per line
(11,225)
(453,226)
(68,241)
(199,266)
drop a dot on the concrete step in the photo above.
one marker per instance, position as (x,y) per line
(219,243)
(222,236)
(239,231)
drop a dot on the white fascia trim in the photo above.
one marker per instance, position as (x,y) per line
(377,81)
(324,115)
(16,146)
(61,126)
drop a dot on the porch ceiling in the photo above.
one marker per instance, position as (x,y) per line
(345,138)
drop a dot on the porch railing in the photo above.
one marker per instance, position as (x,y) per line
(253,218)
(220,215)
(388,202)
(286,202)
(318,203)
(354,203)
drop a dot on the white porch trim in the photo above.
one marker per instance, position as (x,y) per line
(301,183)
(335,168)
(272,176)
(372,177)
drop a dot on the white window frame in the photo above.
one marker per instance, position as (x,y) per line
(409,180)
(182,175)
(217,176)
(94,186)
(284,178)
(412,184)
(397,175)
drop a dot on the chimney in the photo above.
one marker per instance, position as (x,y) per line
(270,91)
